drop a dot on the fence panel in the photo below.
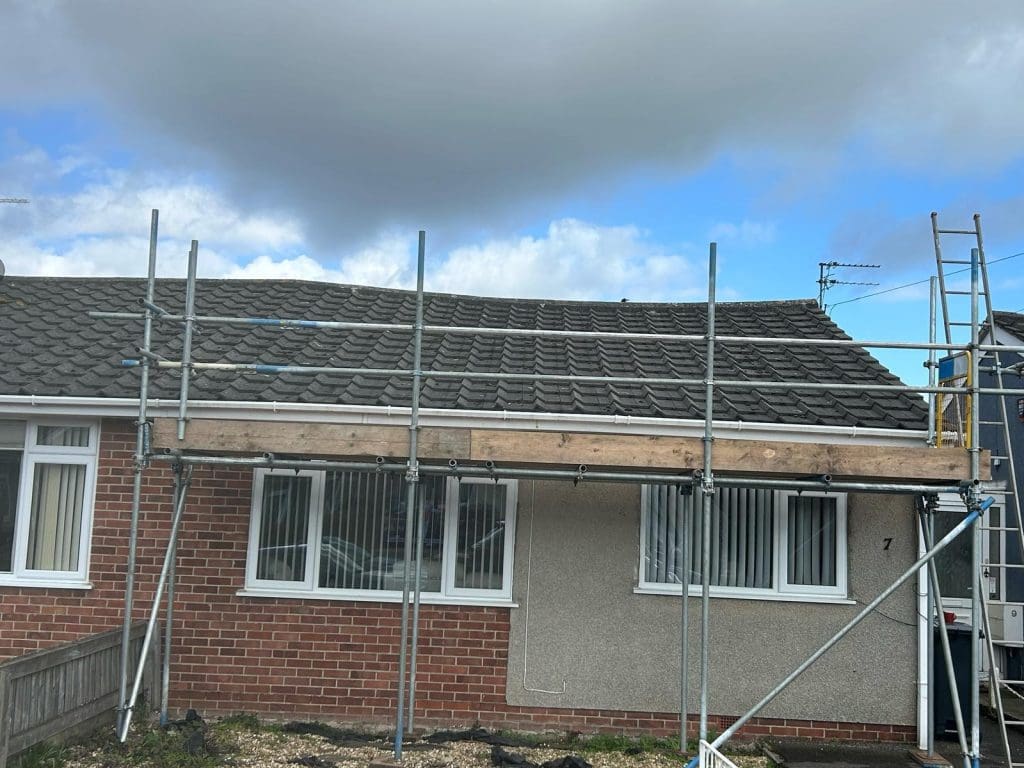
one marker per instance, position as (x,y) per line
(58,691)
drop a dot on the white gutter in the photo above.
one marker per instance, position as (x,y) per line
(439,417)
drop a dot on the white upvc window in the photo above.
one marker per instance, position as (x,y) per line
(342,534)
(764,544)
(47,487)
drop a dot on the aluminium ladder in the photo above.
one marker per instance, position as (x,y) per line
(1015,525)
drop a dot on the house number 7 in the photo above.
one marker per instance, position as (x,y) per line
(888,543)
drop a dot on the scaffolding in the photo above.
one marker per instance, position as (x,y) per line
(703,482)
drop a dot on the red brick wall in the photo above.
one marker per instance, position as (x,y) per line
(293,657)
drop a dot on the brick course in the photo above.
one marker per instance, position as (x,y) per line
(294,657)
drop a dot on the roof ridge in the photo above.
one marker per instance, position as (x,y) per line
(407,291)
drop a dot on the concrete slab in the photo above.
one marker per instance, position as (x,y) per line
(803,754)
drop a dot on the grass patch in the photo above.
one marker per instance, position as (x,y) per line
(240,721)
(44,755)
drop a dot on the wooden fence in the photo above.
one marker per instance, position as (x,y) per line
(60,692)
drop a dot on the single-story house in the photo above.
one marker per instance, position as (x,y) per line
(546,603)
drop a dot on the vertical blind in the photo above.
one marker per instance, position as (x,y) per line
(363,538)
(284,524)
(742,537)
(811,541)
(480,530)
(55,521)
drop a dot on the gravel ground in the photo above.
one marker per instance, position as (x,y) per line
(272,748)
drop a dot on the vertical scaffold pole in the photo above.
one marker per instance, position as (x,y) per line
(684,661)
(928,532)
(975,457)
(417,588)
(161,585)
(412,477)
(928,529)
(707,490)
(933,403)
(186,347)
(165,660)
(138,465)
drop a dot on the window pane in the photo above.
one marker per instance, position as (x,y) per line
(742,537)
(10,474)
(954,562)
(12,434)
(811,537)
(70,437)
(55,521)
(363,542)
(480,555)
(284,523)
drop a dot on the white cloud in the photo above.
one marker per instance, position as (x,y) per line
(102,229)
(575,259)
(746,232)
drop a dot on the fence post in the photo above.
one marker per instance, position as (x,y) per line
(5,717)
(153,663)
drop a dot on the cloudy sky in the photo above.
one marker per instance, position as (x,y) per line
(577,149)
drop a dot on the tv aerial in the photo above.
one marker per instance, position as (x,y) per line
(825,280)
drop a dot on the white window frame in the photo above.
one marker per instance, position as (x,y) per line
(451,538)
(782,545)
(316,498)
(33,454)
(781,590)
(448,593)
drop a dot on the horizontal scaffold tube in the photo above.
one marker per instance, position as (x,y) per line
(462,330)
(582,473)
(269,368)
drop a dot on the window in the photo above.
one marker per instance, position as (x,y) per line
(763,543)
(342,533)
(47,476)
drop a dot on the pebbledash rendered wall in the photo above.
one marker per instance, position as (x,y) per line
(618,651)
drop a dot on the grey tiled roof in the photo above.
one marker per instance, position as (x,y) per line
(1011,321)
(49,346)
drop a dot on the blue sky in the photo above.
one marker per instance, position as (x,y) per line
(556,150)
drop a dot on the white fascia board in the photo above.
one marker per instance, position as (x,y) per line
(437,417)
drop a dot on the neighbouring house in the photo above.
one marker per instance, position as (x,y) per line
(547,603)
(1001,547)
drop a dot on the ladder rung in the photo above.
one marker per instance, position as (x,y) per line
(1011,682)
(963,293)
(956,261)
(961,324)
(1001,458)
(1006,602)
(957,231)
(1003,565)
(997,528)
(991,424)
